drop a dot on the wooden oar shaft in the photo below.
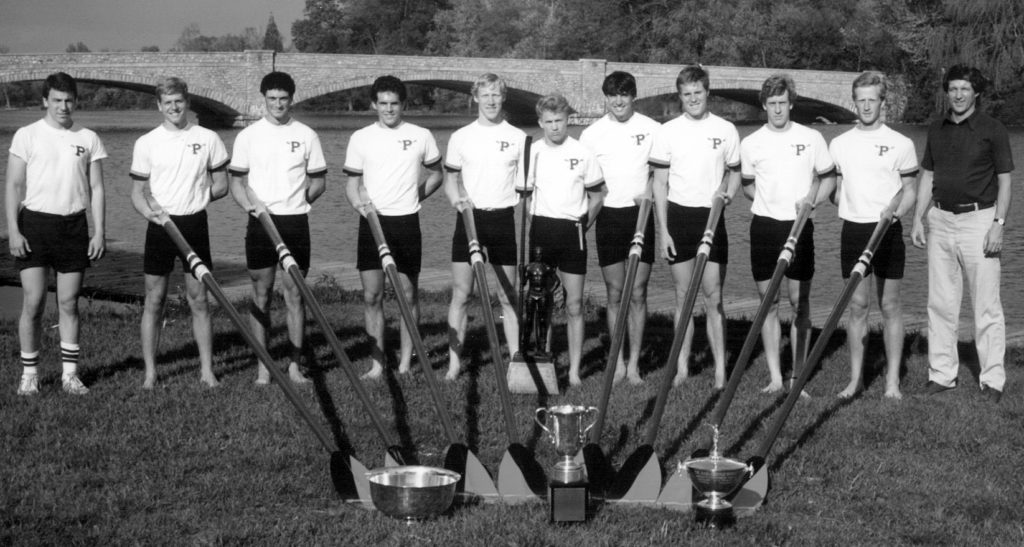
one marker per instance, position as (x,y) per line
(203,274)
(476,258)
(292,267)
(391,269)
(621,318)
(682,323)
(856,275)
(743,360)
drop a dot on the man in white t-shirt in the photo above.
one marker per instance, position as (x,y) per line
(53,174)
(483,166)
(780,161)
(873,164)
(621,140)
(384,164)
(696,157)
(566,190)
(277,164)
(179,168)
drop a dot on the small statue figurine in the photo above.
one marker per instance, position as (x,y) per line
(540,281)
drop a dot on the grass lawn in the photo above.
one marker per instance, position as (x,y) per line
(235,465)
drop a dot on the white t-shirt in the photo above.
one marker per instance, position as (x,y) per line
(57,166)
(176,163)
(783,164)
(560,177)
(490,158)
(389,161)
(278,160)
(696,153)
(622,150)
(872,163)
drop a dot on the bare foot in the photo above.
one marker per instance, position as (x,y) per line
(773,387)
(262,375)
(574,379)
(681,377)
(262,380)
(893,393)
(453,372)
(210,381)
(851,390)
(634,378)
(296,375)
(149,382)
(403,368)
(620,373)
(375,372)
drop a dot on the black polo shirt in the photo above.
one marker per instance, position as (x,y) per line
(966,157)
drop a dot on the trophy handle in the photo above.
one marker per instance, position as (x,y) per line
(536,418)
(591,411)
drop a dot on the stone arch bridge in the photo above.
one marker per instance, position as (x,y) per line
(225,85)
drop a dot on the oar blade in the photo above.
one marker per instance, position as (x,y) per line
(600,472)
(752,494)
(520,478)
(678,493)
(348,476)
(475,481)
(639,478)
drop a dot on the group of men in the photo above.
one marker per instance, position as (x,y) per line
(277,166)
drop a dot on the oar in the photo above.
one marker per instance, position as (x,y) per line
(640,470)
(520,477)
(348,477)
(752,494)
(599,470)
(459,458)
(394,451)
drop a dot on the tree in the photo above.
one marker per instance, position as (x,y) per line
(151,49)
(77,48)
(365,26)
(192,39)
(272,37)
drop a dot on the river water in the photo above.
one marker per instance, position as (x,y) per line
(334,224)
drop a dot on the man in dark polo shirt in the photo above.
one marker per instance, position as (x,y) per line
(965,191)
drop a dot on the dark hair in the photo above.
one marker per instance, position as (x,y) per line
(60,81)
(555,102)
(387,84)
(964,72)
(277,80)
(619,83)
(777,84)
(692,74)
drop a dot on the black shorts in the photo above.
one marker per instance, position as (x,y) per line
(56,241)
(497,232)
(259,250)
(888,260)
(686,227)
(768,237)
(563,243)
(160,251)
(615,229)
(402,234)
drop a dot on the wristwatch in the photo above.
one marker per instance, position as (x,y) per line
(999,221)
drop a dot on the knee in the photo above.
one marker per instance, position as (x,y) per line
(68,304)
(858,308)
(373,299)
(199,305)
(891,308)
(574,307)
(155,303)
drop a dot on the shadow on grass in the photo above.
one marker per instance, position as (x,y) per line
(809,432)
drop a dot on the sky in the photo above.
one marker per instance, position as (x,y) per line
(41,26)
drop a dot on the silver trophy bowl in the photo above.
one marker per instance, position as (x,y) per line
(566,426)
(717,478)
(412,492)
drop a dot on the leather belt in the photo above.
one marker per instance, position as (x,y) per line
(958,208)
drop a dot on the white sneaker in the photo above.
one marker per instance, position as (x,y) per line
(74,386)
(29,385)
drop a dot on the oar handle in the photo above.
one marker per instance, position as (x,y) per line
(203,274)
(682,324)
(619,329)
(391,269)
(476,259)
(292,267)
(743,359)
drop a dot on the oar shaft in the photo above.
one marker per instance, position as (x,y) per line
(621,318)
(743,360)
(391,269)
(683,321)
(203,274)
(293,270)
(827,329)
(476,258)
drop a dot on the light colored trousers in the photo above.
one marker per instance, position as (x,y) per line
(955,251)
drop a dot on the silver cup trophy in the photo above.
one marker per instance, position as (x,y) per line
(565,424)
(717,478)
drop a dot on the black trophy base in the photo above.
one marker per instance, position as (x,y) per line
(720,518)
(569,502)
